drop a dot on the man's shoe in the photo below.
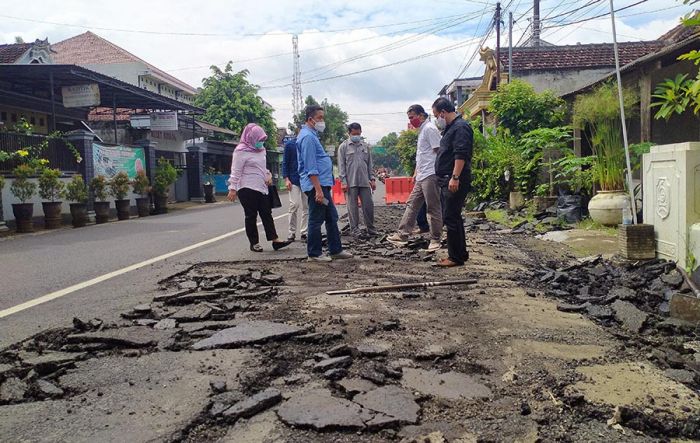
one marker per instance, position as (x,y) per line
(277,245)
(320,258)
(303,237)
(291,238)
(446,263)
(398,239)
(434,245)
(342,255)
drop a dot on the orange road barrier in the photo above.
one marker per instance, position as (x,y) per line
(398,189)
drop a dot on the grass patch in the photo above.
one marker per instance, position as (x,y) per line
(502,217)
(588,224)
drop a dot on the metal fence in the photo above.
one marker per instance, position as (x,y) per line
(56,151)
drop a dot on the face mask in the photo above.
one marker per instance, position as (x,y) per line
(320,126)
(415,122)
(259,145)
(441,123)
(355,138)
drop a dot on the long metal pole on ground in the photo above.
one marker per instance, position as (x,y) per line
(389,288)
(114,115)
(622,116)
(510,46)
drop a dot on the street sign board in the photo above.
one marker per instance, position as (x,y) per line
(164,121)
(79,96)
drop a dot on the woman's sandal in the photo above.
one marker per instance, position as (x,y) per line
(256,248)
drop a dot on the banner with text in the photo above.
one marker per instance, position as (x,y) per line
(111,159)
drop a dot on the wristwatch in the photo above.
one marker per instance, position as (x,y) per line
(455,177)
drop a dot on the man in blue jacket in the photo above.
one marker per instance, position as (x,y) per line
(297,199)
(316,178)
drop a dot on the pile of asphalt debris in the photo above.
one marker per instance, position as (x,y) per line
(190,307)
(635,298)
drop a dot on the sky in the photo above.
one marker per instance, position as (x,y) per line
(426,43)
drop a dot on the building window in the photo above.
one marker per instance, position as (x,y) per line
(3,116)
(41,121)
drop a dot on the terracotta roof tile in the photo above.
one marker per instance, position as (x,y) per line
(91,49)
(577,56)
(10,53)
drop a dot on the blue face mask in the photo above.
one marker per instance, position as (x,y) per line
(259,145)
(355,138)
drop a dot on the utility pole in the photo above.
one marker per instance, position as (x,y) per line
(536,23)
(498,44)
(633,203)
(510,46)
(297,101)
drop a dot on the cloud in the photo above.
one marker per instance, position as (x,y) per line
(388,91)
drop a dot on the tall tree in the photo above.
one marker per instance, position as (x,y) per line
(390,157)
(231,101)
(336,121)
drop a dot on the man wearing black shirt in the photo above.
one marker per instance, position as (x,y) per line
(453,168)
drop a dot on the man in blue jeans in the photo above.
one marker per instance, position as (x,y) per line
(316,173)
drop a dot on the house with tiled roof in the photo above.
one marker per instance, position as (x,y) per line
(98,54)
(26,53)
(642,75)
(557,68)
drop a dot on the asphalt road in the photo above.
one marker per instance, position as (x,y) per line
(33,266)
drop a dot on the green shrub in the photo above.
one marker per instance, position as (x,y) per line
(21,187)
(406,146)
(50,185)
(141,184)
(2,183)
(99,185)
(599,112)
(76,190)
(119,185)
(165,175)
(520,109)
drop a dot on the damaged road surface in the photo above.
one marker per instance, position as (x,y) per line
(543,347)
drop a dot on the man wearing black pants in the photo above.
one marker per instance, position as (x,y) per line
(453,168)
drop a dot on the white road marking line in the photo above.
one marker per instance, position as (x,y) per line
(58,294)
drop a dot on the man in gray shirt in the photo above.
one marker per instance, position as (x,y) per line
(357,177)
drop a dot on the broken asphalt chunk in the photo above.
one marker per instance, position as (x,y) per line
(48,389)
(397,404)
(333,363)
(193,313)
(12,389)
(135,336)
(248,333)
(567,307)
(319,410)
(450,385)
(253,405)
(631,318)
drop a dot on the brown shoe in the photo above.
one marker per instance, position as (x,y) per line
(446,263)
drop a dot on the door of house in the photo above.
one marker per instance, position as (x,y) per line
(182,193)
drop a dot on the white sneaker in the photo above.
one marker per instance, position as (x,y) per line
(342,255)
(433,246)
(398,239)
(320,258)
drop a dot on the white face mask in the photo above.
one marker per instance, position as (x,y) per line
(441,123)
(355,138)
(320,126)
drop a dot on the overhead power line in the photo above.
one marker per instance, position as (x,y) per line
(318,48)
(209,34)
(362,71)
(594,17)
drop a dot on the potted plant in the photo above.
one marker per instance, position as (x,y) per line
(209,185)
(50,189)
(23,190)
(77,192)
(119,188)
(142,187)
(99,185)
(165,175)
(599,114)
